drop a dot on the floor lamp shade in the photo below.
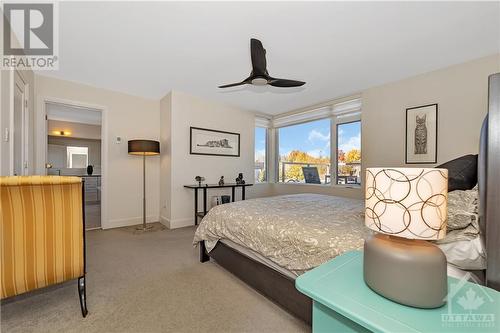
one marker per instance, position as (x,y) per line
(144,148)
(406,207)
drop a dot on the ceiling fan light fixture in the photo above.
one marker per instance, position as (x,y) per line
(259,81)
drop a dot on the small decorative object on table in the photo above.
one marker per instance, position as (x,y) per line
(90,170)
(221,180)
(240,180)
(199,179)
(406,207)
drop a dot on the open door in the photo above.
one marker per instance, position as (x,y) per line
(20,123)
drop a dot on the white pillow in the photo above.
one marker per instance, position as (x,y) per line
(465,254)
(462,245)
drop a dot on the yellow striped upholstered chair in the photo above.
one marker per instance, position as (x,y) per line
(42,234)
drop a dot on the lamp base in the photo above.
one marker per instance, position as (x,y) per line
(144,228)
(410,272)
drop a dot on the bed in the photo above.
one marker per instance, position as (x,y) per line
(268,242)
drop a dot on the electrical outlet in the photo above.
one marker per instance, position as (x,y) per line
(6,135)
(118,139)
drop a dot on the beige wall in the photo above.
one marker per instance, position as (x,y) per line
(166,158)
(461,92)
(77,130)
(127,116)
(185,111)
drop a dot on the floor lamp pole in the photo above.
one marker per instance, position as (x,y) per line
(144,191)
(144,227)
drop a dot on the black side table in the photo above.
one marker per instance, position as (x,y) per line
(205,188)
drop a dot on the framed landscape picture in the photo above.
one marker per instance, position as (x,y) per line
(421,134)
(205,141)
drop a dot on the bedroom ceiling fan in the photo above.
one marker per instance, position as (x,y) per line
(259,75)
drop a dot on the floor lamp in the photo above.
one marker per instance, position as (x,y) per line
(143,148)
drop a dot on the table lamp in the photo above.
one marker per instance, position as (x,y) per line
(143,148)
(406,207)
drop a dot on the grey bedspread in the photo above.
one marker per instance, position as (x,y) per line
(298,232)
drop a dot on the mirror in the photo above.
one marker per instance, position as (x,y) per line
(77,157)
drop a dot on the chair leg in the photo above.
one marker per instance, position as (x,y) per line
(83,295)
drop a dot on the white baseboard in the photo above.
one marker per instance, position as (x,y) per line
(176,223)
(117,223)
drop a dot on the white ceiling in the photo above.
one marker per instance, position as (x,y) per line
(73,114)
(338,48)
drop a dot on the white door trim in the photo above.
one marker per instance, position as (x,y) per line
(42,144)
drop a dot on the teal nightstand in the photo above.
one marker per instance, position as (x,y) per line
(342,302)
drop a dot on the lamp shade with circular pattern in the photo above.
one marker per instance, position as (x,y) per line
(407,202)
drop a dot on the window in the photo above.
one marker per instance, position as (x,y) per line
(321,145)
(304,152)
(349,153)
(260,154)
(77,157)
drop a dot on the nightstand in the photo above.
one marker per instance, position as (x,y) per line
(342,302)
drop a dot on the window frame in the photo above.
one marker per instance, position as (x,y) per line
(336,122)
(339,111)
(266,153)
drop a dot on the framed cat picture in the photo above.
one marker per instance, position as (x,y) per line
(421,134)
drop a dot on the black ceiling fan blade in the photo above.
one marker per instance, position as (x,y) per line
(258,57)
(284,83)
(233,84)
(259,75)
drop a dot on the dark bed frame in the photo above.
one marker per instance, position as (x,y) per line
(269,282)
(281,289)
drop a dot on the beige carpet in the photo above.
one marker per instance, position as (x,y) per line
(150,282)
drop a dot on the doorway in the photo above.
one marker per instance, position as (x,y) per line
(74,148)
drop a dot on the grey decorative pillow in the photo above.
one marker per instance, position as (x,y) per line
(462,215)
